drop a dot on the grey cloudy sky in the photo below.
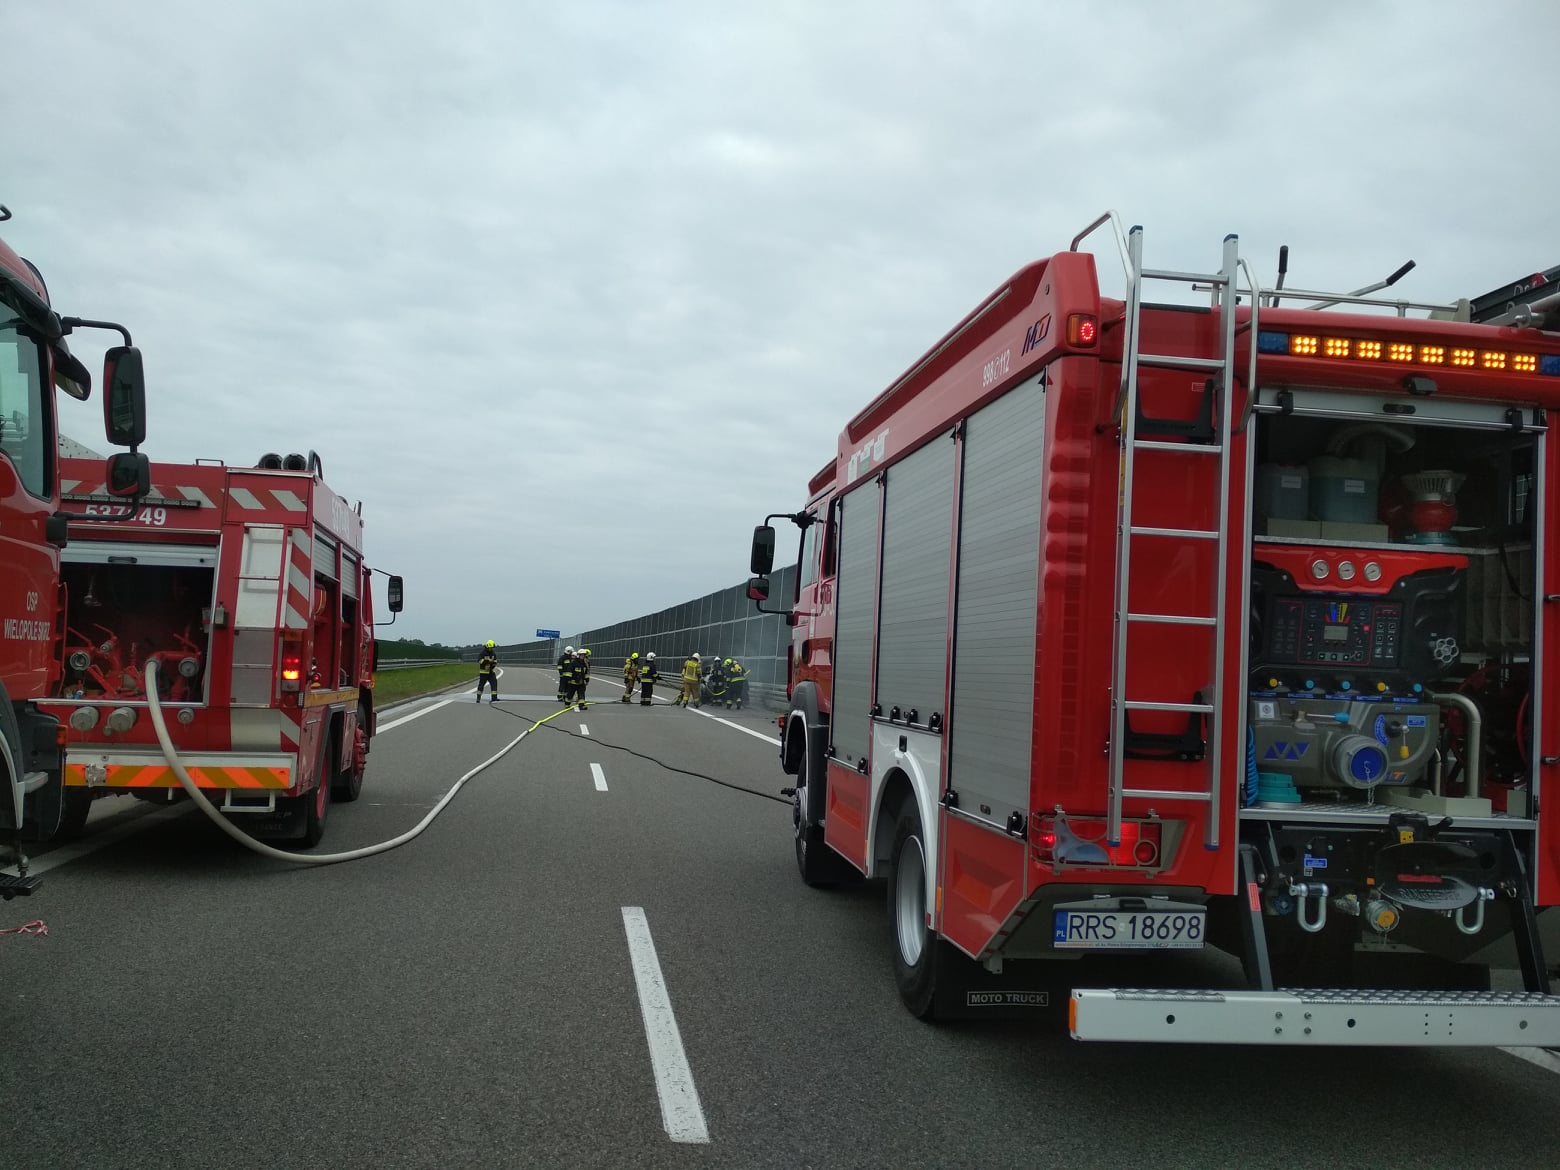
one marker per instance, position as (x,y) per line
(571,294)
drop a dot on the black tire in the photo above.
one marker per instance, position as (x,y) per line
(347,781)
(820,866)
(315,805)
(78,803)
(11,736)
(914,947)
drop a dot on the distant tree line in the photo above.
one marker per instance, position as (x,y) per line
(393,648)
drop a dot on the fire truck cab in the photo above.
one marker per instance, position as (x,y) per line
(1128,628)
(35,361)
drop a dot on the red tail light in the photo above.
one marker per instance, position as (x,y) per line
(292,665)
(1082,329)
(1081,841)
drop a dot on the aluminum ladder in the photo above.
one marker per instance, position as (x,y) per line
(1131,536)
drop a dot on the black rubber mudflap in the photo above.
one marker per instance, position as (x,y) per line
(967,991)
(284,823)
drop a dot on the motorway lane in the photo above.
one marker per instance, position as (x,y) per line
(786,1003)
(468,999)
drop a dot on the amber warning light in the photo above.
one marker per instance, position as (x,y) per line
(1369,349)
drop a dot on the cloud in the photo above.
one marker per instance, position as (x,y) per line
(571,296)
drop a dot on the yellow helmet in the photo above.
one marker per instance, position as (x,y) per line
(586,652)
(635,654)
(490,643)
(726,663)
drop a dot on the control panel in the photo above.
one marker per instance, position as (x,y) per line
(1368,623)
(1338,628)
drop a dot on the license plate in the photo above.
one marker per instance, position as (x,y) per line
(1128,930)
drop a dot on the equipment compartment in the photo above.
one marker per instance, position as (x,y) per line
(1391,627)
(126,605)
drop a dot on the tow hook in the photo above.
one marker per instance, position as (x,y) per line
(1485,895)
(1301,892)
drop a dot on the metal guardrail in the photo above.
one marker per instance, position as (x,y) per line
(407,663)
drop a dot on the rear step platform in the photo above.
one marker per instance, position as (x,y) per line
(1420,1019)
(12,886)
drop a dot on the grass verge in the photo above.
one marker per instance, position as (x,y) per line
(391,686)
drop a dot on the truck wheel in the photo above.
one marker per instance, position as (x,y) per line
(78,803)
(315,805)
(914,946)
(347,784)
(819,865)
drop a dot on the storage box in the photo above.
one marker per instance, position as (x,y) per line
(1343,489)
(1359,533)
(1281,492)
(1293,529)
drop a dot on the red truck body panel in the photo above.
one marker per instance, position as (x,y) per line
(986,875)
(231,577)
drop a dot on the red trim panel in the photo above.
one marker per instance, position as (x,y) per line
(983,883)
(1547,734)
(845,818)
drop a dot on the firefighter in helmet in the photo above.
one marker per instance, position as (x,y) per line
(574,678)
(630,676)
(487,671)
(715,681)
(649,675)
(690,681)
(583,676)
(736,682)
(565,669)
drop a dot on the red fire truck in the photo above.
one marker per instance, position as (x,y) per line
(1128,628)
(34,360)
(248,587)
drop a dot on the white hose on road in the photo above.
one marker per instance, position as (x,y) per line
(154,706)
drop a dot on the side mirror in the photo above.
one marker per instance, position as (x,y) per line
(395,595)
(124,397)
(758,589)
(70,375)
(763,558)
(128,475)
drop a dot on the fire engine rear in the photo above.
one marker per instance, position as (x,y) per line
(1127,628)
(248,588)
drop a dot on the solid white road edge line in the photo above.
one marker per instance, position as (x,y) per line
(599,777)
(65,854)
(383,727)
(681,1113)
(1539,1056)
(774,739)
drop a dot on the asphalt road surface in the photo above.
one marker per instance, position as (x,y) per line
(590,959)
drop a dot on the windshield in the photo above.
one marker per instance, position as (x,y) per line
(24,419)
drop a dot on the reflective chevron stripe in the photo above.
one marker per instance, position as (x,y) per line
(161,776)
(257,499)
(298,562)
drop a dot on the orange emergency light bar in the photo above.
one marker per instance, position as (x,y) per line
(1369,349)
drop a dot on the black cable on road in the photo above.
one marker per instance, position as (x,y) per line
(651,759)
